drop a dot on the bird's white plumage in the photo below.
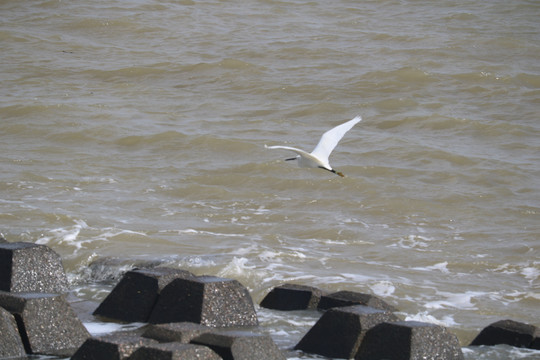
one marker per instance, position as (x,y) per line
(318,158)
(330,139)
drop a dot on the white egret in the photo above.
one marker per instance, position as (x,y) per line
(318,158)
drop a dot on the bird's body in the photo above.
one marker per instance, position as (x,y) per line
(318,158)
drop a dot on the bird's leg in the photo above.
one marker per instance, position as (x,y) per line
(289,159)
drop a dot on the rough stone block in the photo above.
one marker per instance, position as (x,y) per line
(292,297)
(206,300)
(174,351)
(507,332)
(11,344)
(349,298)
(27,267)
(116,346)
(409,340)
(240,345)
(181,332)
(47,323)
(134,297)
(535,344)
(339,332)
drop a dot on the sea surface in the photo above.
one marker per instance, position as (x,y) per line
(132,133)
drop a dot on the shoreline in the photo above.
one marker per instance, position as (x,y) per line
(286,297)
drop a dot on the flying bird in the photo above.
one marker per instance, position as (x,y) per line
(318,158)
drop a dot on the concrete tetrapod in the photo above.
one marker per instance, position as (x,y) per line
(339,331)
(47,323)
(28,267)
(409,340)
(508,332)
(206,300)
(292,297)
(134,297)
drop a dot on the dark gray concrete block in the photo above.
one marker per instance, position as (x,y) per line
(174,351)
(11,344)
(116,346)
(535,344)
(27,267)
(507,332)
(181,332)
(409,340)
(206,300)
(292,297)
(134,297)
(339,332)
(46,322)
(349,298)
(240,345)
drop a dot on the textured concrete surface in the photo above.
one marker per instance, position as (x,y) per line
(134,297)
(27,267)
(348,298)
(181,332)
(292,297)
(174,351)
(339,332)
(508,332)
(409,340)
(117,346)
(11,344)
(206,300)
(240,345)
(48,324)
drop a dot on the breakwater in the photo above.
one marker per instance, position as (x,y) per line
(193,316)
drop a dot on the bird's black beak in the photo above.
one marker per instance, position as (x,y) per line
(333,171)
(338,173)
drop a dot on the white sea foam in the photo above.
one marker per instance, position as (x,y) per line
(196,262)
(113,232)
(530,273)
(64,236)
(101,328)
(357,278)
(508,297)
(204,232)
(442,267)
(334,242)
(270,255)
(459,301)
(499,352)
(424,316)
(298,319)
(187,231)
(250,249)
(383,288)
(236,268)
(415,242)
(261,210)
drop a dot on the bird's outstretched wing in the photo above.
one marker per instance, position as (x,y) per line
(330,139)
(298,151)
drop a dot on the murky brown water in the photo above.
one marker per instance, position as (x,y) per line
(136,130)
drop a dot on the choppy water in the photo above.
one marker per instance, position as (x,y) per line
(136,130)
